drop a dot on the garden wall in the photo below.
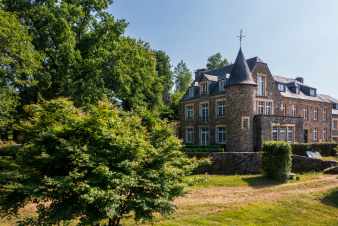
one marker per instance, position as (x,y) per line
(251,163)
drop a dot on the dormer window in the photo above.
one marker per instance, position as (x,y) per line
(204,88)
(281,87)
(261,82)
(297,89)
(221,85)
(191,92)
(312,92)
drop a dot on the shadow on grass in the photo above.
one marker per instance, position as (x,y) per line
(260,181)
(331,198)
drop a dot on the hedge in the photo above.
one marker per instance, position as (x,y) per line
(276,160)
(206,148)
(325,149)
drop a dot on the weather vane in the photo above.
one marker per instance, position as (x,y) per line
(241,36)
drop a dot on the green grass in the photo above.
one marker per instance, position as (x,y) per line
(304,210)
(207,181)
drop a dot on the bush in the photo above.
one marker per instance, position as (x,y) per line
(91,165)
(207,148)
(277,160)
(325,149)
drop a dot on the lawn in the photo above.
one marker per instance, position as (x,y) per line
(211,200)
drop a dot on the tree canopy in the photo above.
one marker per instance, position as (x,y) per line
(91,165)
(85,55)
(216,61)
(18,63)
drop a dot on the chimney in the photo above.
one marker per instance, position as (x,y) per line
(300,79)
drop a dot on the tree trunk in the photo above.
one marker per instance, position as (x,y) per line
(114,222)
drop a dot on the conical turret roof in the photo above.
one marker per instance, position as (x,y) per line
(240,72)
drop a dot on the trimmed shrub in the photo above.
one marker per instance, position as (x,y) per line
(207,148)
(276,160)
(325,149)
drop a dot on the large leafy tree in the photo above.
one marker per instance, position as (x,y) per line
(18,63)
(84,53)
(216,61)
(92,165)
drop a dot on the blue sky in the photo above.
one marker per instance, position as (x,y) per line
(295,37)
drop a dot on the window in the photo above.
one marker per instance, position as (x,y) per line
(315,134)
(306,114)
(260,107)
(324,137)
(220,135)
(189,135)
(335,125)
(203,88)
(245,123)
(312,92)
(189,113)
(283,133)
(283,109)
(294,111)
(191,92)
(281,87)
(275,133)
(315,114)
(290,137)
(204,113)
(268,110)
(204,136)
(221,85)
(264,107)
(324,115)
(220,109)
(261,85)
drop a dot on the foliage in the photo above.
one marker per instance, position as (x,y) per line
(204,148)
(85,55)
(183,77)
(276,160)
(92,164)
(18,62)
(163,68)
(325,149)
(216,61)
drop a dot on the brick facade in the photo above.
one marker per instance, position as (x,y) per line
(252,108)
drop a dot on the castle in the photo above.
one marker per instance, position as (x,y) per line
(243,104)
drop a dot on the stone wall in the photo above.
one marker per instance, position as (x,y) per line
(227,163)
(263,128)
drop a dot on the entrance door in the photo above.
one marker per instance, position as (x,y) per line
(306,136)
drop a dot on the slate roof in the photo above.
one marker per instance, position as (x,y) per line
(240,72)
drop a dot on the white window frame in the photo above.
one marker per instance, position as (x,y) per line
(189,109)
(335,124)
(315,134)
(204,133)
(324,115)
(220,108)
(245,123)
(294,110)
(315,114)
(217,135)
(306,113)
(269,108)
(261,85)
(204,111)
(189,135)
(324,134)
(281,87)
(204,88)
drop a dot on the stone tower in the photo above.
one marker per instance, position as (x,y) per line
(240,95)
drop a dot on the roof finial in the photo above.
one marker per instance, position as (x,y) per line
(241,36)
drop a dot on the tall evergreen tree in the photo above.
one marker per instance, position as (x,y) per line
(216,61)
(183,77)
(163,68)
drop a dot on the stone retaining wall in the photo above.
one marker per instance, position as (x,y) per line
(251,163)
